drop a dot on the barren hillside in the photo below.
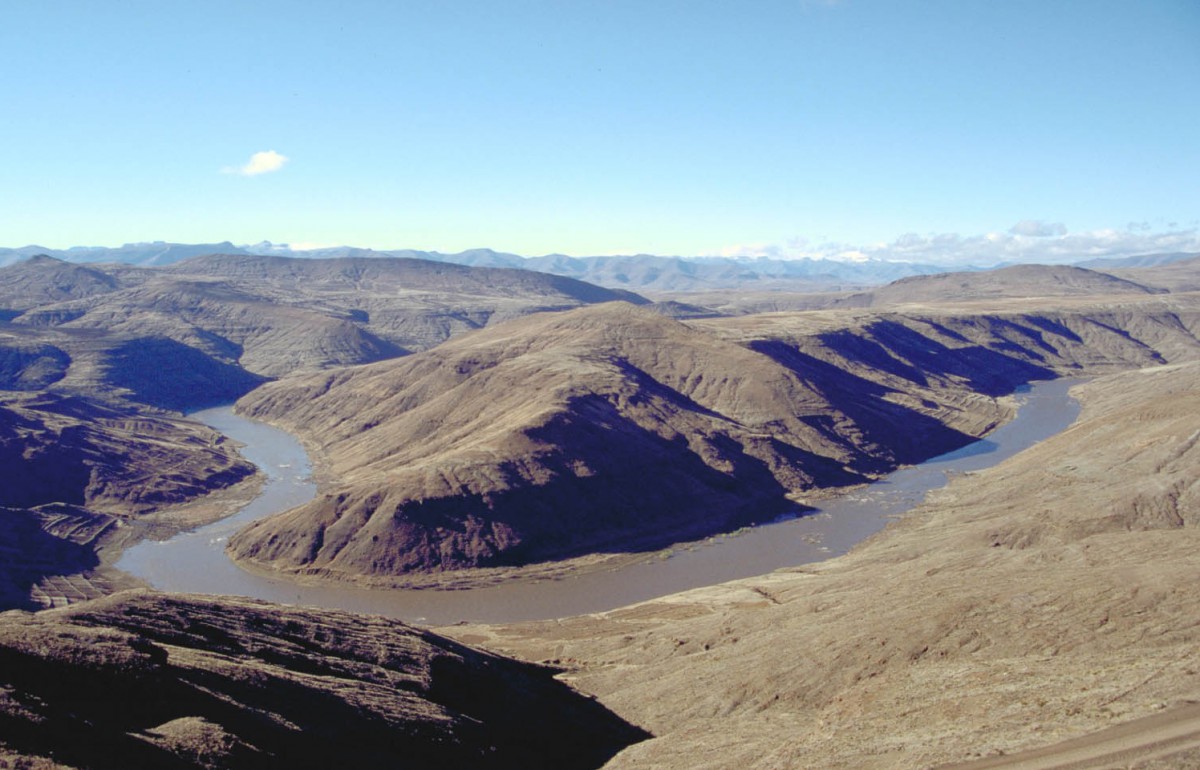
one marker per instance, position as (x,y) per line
(1008,282)
(91,356)
(81,473)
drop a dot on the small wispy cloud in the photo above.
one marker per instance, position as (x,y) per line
(260,163)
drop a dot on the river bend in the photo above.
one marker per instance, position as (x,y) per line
(195,561)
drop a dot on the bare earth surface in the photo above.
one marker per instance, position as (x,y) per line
(1169,739)
(1043,600)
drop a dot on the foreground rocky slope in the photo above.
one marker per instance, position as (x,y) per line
(148,680)
(611,428)
(1043,599)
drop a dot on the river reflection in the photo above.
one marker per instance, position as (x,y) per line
(195,561)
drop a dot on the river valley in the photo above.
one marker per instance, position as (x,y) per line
(195,561)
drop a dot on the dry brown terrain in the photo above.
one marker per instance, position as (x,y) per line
(608,427)
(611,428)
(1017,281)
(146,680)
(1044,599)
(1041,614)
(1179,276)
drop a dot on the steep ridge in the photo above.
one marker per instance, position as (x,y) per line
(43,280)
(612,428)
(1041,600)
(150,680)
(133,341)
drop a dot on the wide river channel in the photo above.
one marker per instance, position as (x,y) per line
(195,561)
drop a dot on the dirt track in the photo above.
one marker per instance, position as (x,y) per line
(1163,736)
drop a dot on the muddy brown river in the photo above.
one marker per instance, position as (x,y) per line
(195,561)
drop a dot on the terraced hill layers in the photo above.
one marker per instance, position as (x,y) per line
(1041,600)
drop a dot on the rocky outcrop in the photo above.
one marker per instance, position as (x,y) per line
(147,680)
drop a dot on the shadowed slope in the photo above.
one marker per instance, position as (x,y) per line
(605,429)
(149,680)
(43,280)
(274,315)
(534,440)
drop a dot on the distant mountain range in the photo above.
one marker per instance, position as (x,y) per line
(640,272)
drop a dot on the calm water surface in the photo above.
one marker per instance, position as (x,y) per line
(195,561)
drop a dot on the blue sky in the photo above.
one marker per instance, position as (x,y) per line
(946,131)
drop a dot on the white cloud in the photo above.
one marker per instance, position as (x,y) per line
(260,163)
(1035,242)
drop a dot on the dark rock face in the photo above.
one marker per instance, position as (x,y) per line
(147,680)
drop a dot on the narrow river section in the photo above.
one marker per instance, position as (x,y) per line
(195,562)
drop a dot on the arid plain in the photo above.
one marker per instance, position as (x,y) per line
(480,425)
